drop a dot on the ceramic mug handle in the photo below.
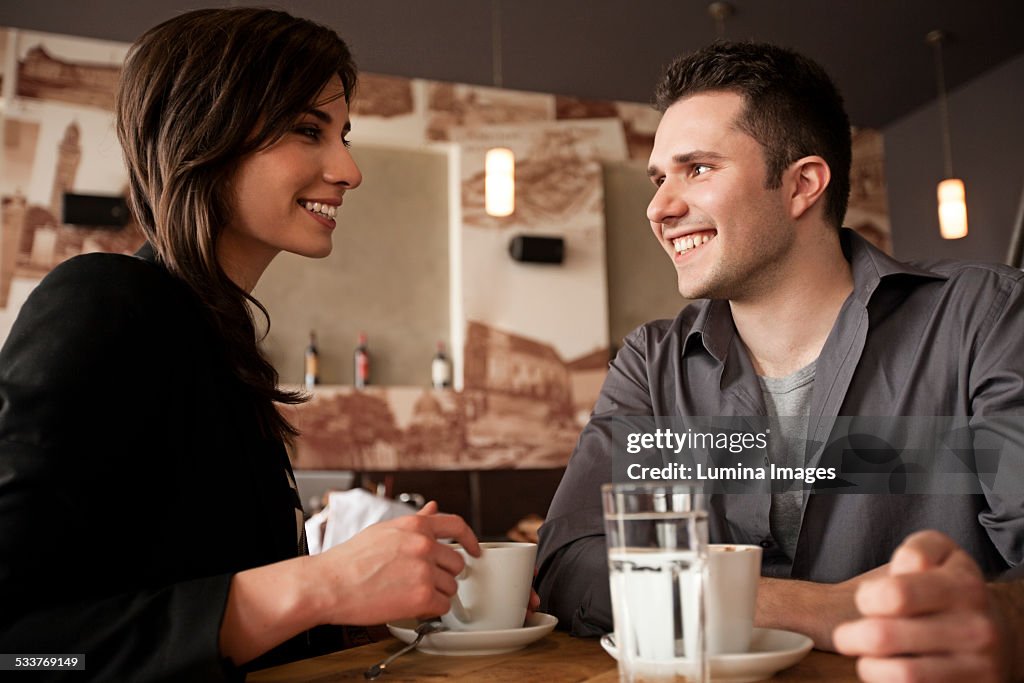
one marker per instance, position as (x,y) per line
(458,610)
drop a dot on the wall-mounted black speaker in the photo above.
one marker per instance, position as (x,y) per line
(537,249)
(94,211)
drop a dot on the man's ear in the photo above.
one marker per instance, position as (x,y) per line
(809,176)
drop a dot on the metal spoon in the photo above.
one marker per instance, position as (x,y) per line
(424,629)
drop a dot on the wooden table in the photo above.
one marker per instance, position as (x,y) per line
(553,659)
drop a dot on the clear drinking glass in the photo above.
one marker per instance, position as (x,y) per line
(657,537)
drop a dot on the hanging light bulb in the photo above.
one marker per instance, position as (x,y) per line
(952,209)
(500,162)
(500,182)
(951,192)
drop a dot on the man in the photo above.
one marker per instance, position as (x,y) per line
(802,318)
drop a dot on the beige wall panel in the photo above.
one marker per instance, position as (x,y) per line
(641,279)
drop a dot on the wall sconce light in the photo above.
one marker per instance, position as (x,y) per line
(500,162)
(951,192)
(500,182)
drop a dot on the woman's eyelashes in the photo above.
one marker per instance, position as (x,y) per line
(309,131)
(314,133)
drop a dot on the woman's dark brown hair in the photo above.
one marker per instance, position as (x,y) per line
(198,93)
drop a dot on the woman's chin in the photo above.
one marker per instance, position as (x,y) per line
(318,251)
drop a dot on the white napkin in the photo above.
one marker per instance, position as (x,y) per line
(347,513)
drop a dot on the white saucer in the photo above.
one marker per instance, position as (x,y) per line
(771,650)
(464,643)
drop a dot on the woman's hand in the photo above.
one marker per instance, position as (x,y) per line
(392,570)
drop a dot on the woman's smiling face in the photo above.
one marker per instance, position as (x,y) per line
(286,197)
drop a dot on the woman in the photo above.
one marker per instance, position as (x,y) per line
(141,376)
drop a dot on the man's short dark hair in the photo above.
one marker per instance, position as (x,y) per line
(791,107)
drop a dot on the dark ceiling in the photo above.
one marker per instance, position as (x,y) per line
(615,49)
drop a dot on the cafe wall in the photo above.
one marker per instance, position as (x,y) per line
(57,136)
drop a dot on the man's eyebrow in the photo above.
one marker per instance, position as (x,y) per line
(688,158)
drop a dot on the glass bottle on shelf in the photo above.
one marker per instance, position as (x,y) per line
(440,369)
(312,374)
(361,362)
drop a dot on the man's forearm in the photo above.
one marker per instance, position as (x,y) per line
(814,609)
(574,587)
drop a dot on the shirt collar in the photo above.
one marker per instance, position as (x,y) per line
(870,265)
(714,328)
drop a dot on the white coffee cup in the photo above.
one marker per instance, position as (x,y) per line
(494,589)
(731,597)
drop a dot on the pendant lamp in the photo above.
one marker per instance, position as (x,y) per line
(500,162)
(951,193)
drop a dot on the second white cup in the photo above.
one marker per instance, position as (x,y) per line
(731,597)
(494,589)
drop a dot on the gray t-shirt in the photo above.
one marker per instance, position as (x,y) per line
(788,400)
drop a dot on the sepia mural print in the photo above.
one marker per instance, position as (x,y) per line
(57,137)
(393,428)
